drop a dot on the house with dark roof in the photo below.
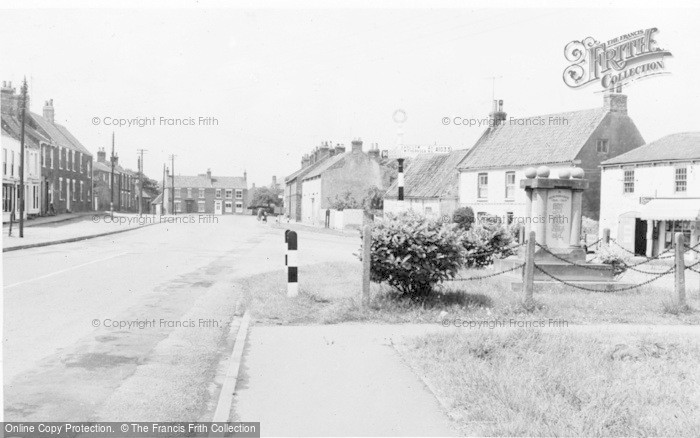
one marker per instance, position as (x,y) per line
(205,193)
(341,177)
(431,185)
(65,183)
(653,192)
(293,183)
(490,173)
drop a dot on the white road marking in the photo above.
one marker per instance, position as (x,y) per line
(65,270)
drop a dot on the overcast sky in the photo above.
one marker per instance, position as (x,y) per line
(282,81)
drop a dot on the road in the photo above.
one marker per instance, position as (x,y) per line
(67,359)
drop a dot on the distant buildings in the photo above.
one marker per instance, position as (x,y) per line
(125,193)
(653,192)
(331,174)
(431,185)
(490,174)
(205,193)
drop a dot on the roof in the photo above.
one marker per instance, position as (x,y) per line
(679,209)
(59,134)
(301,173)
(529,142)
(326,164)
(201,181)
(105,166)
(13,127)
(158,200)
(674,147)
(431,176)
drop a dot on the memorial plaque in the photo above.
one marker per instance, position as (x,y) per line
(558,218)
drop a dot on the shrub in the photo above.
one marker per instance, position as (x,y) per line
(486,242)
(463,217)
(412,253)
(613,256)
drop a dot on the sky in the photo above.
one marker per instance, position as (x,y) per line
(281,81)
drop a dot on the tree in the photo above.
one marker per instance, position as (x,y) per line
(266,197)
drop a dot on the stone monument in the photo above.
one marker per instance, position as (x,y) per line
(553,211)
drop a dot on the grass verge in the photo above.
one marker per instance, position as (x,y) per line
(534,383)
(329,293)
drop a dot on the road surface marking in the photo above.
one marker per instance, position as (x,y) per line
(65,270)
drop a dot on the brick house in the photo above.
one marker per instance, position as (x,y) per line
(205,193)
(491,172)
(65,181)
(125,184)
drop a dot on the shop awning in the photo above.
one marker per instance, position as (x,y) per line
(677,209)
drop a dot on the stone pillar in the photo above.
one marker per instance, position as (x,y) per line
(576,205)
(539,213)
(528,212)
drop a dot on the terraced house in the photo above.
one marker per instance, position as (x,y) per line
(125,184)
(205,193)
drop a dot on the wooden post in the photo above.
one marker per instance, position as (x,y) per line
(366,259)
(529,274)
(521,233)
(680,269)
(606,236)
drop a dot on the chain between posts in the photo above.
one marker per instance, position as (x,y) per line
(481,277)
(606,290)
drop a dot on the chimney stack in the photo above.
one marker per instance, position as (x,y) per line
(323,151)
(209,174)
(7,100)
(101,155)
(49,111)
(305,161)
(339,149)
(374,151)
(274,181)
(614,101)
(497,116)
(357,145)
(245,175)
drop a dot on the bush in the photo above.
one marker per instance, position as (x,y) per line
(463,217)
(613,256)
(412,253)
(486,242)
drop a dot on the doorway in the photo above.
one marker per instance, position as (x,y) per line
(640,237)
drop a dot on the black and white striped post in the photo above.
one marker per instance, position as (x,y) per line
(292,268)
(400,178)
(286,236)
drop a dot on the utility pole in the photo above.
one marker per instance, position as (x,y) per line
(111,182)
(21,160)
(141,151)
(172,182)
(162,199)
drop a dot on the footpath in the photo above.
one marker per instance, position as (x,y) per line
(67,228)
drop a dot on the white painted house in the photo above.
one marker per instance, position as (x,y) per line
(490,175)
(653,192)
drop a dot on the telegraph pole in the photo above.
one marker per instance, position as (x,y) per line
(162,199)
(172,182)
(21,160)
(141,151)
(111,182)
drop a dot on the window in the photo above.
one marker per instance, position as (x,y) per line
(72,161)
(60,189)
(51,155)
(81,191)
(601,146)
(673,227)
(60,157)
(201,193)
(510,185)
(681,179)
(218,193)
(229,193)
(178,206)
(80,162)
(239,194)
(189,192)
(43,155)
(35,197)
(4,161)
(6,198)
(628,184)
(200,206)
(73,185)
(88,167)
(483,186)
(177,193)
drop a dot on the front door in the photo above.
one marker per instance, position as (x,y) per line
(189,206)
(217,207)
(640,237)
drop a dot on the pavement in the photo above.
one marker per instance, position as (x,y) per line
(63,228)
(335,380)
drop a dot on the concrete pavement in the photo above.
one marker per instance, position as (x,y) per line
(335,380)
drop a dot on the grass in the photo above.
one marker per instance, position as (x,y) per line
(329,293)
(535,383)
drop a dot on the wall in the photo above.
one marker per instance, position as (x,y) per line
(311,202)
(356,173)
